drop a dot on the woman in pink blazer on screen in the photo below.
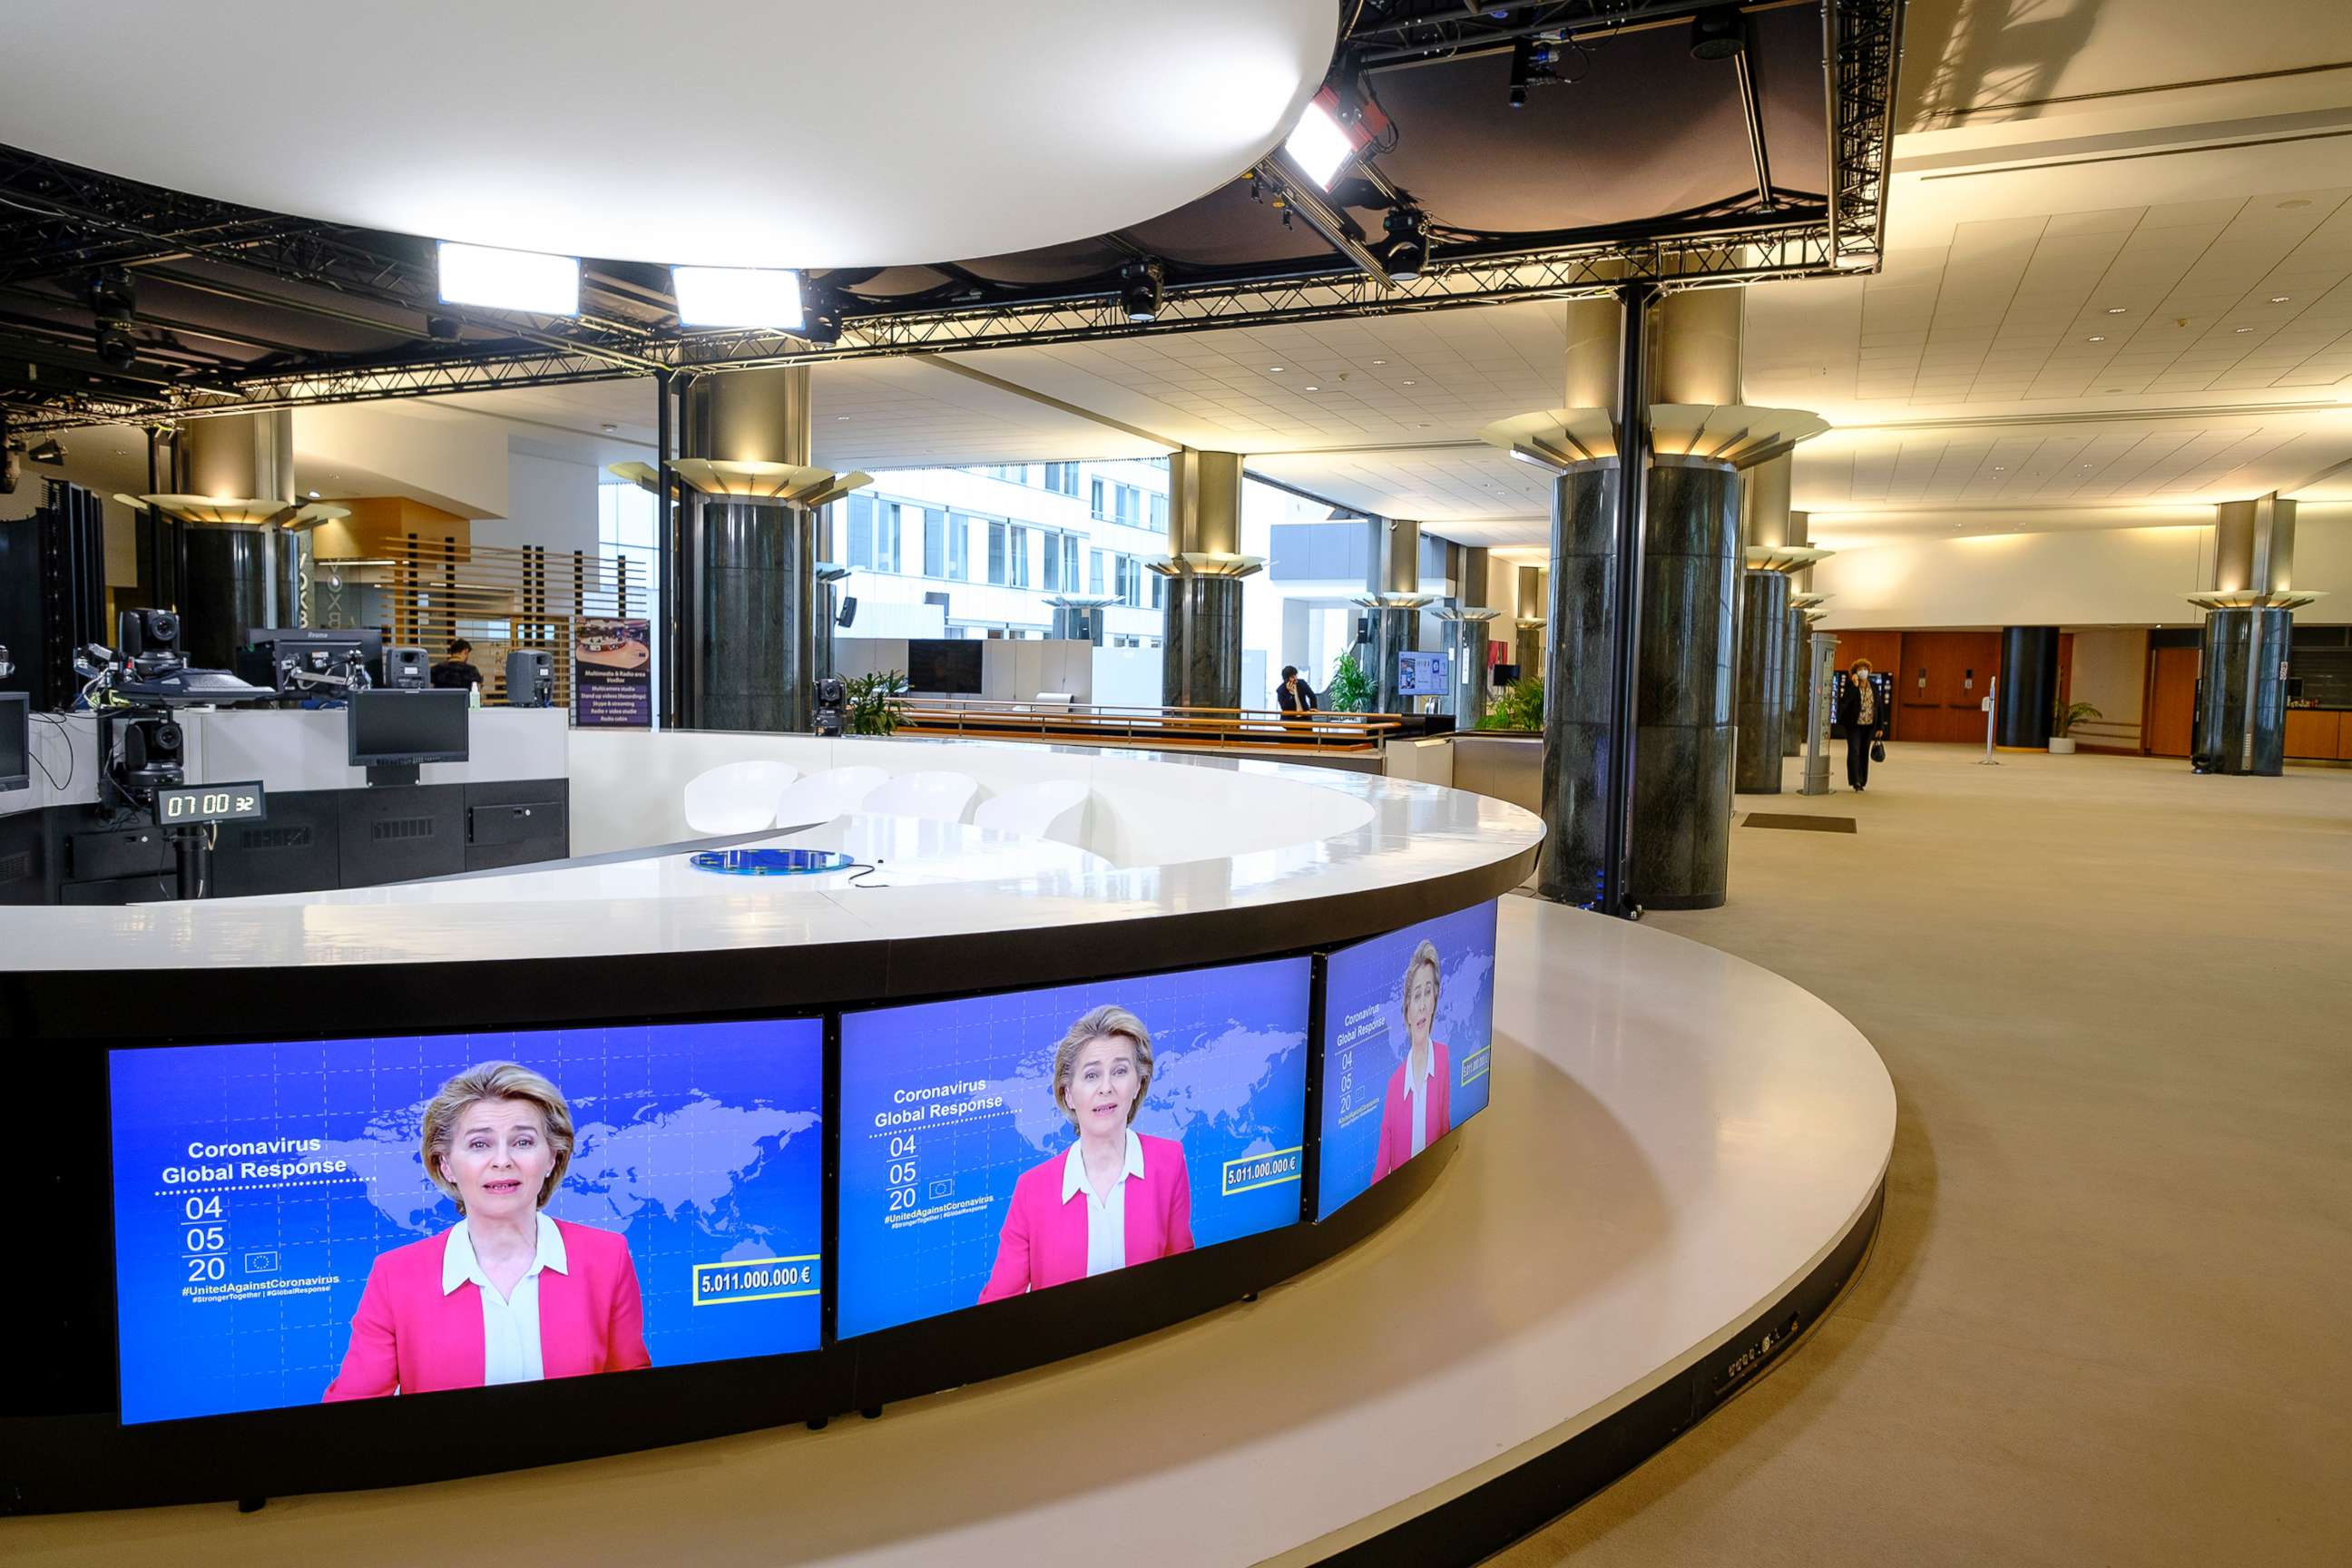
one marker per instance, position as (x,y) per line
(1117,1197)
(506,1295)
(1418,1108)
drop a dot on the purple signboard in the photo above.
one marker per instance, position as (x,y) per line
(612,672)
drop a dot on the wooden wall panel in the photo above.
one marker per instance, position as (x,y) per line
(2171,724)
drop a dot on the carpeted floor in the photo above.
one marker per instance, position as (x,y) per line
(2109,1316)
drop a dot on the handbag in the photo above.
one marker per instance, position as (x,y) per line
(1878,751)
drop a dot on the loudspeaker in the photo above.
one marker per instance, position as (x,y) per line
(407,669)
(848,611)
(530,678)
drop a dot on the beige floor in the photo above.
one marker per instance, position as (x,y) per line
(2109,1317)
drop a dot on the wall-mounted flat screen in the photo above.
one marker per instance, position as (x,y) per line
(350,1218)
(1002,1144)
(946,665)
(1421,674)
(408,727)
(1408,1027)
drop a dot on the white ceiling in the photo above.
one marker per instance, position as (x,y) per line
(2058,186)
(729,133)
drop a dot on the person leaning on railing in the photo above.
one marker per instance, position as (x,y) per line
(1293,695)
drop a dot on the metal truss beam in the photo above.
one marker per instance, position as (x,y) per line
(1744,255)
(1861,53)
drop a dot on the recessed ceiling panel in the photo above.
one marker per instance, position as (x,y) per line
(729,132)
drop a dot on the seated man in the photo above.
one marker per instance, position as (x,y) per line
(458,671)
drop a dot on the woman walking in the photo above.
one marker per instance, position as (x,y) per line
(1862,720)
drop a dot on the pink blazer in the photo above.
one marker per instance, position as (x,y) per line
(409,1337)
(1396,1111)
(1044,1242)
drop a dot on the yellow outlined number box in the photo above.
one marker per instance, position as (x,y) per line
(1252,1171)
(755,1279)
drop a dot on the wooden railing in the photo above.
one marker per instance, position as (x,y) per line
(1162,729)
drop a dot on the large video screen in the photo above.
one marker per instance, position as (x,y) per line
(1002,1144)
(1408,1025)
(948,665)
(288,1226)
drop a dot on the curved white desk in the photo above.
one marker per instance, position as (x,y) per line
(1678,1138)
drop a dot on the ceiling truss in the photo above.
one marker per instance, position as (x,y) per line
(54,221)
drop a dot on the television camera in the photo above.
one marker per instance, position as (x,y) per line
(142,749)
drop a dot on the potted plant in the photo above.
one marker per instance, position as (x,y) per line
(1351,690)
(873,708)
(2063,720)
(1519,707)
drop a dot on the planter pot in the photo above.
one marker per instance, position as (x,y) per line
(2062,745)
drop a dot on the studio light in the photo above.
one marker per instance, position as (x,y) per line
(509,279)
(113,302)
(1718,34)
(738,297)
(1139,291)
(1406,250)
(1319,146)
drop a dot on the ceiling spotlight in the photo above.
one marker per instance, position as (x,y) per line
(116,346)
(2281,299)
(312,494)
(2098,338)
(1314,389)
(2115,309)
(1139,291)
(1718,34)
(113,294)
(1379,362)
(609,429)
(442,329)
(1406,251)
(738,297)
(2242,329)
(48,452)
(525,280)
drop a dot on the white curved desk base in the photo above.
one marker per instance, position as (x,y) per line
(1678,1139)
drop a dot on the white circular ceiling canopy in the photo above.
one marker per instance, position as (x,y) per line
(722,133)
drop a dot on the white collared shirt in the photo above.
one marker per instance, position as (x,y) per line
(1416,1089)
(511,1352)
(1106,1211)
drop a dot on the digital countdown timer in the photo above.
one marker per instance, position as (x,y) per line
(185,803)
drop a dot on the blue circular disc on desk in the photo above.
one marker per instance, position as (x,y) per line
(770,862)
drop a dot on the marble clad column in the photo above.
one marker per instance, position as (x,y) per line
(1763,705)
(1801,598)
(1535,601)
(2029,687)
(1201,636)
(1578,755)
(751,561)
(2249,639)
(1684,736)
(240,574)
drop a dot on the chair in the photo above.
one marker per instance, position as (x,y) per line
(736,797)
(1056,809)
(936,797)
(822,797)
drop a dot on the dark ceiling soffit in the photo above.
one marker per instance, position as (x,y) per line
(339,277)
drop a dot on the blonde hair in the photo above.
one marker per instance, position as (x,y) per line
(496,1081)
(1426,953)
(1114,1020)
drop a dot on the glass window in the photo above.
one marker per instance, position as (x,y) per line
(960,547)
(935,544)
(997,552)
(1101,513)
(1070,561)
(1159,514)
(886,519)
(861,531)
(1016,552)
(1159,584)
(1062,479)
(1095,572)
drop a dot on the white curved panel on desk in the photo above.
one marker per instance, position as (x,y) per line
(1235,836)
